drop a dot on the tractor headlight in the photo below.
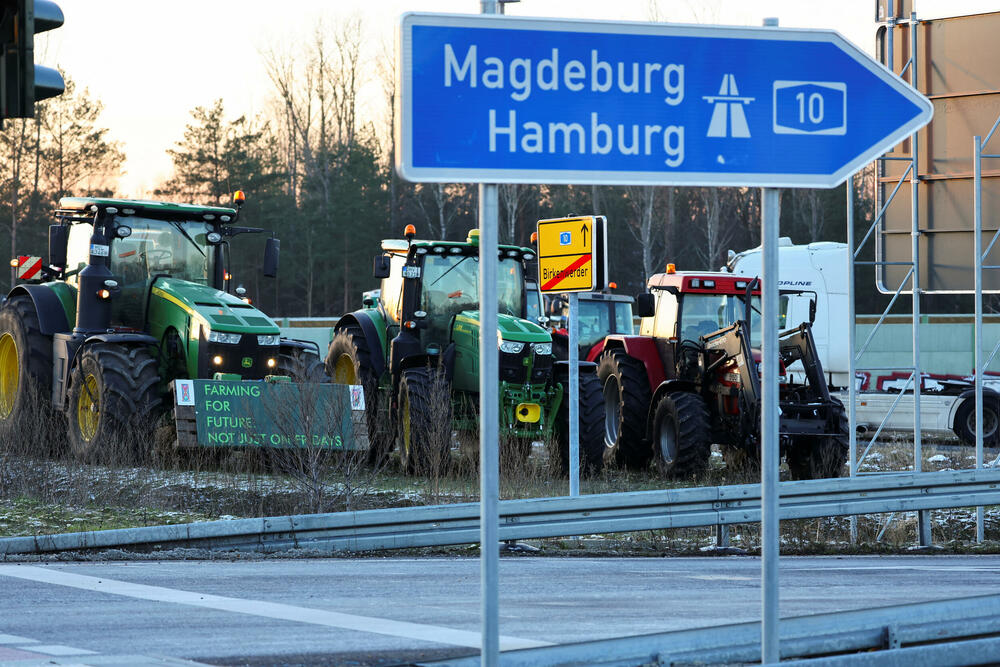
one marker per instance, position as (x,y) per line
(223,337)
(268,339)
(511,346)
(543,349)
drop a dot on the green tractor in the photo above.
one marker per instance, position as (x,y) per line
(415,350)
(135,295)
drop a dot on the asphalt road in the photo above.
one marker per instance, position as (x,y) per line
(387,611)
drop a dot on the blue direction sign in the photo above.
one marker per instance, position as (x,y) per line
(499,99)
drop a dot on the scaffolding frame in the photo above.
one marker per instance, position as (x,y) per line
(912,277)
(979,257)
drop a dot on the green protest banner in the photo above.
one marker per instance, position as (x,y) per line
(266,414)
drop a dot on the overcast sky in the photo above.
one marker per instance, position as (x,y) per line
(151,63)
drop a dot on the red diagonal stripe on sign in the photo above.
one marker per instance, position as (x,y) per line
(583,259)
(29,267)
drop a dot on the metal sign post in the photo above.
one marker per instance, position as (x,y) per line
(489,425)
(574,394)
(770,455)
(489,418)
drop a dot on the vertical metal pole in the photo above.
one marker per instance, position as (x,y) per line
(770,457)
(977,232)
(574,395)
(923,516)
(851,324)
(489,424)
(489,418)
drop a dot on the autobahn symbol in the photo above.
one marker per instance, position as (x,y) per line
(728,104)
(571,254)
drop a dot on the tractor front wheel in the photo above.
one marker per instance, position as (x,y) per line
(626,404)
(681,434)
(591,434)
(25,369)
(301,365)
(113,398)
(424,423)
(348,361)
(823,457)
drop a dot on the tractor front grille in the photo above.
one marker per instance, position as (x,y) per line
(513,367)
(246,358)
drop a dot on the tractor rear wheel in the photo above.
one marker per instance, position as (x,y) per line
(113,399)
(591,419)
(25,369)
(682,437)
(424,423)
(823,457)
(626,404)
(301,365)
(348,361)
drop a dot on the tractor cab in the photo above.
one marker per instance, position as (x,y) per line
(686,306)
(430,299)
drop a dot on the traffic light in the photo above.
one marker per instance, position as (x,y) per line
(22,82)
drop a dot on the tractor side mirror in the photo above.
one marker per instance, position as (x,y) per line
(645,305)
(812,310)
(272,248)
(381,267)
(58,240)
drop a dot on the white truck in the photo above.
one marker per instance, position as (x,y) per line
(947,404)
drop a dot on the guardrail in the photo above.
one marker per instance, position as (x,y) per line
(946,632)
(441,525)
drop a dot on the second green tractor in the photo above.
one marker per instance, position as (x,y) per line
(415,350)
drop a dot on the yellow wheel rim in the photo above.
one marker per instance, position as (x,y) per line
(10,374)
(88,408)
(343,372)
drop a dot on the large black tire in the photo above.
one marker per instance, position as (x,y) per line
(591,420)
(25,370)
(823,457)
(682,438)
(114,401)
(965,421)
(348,361)
(626,395)
(301,365)
(424,423)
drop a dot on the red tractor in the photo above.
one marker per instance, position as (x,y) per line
(692,378)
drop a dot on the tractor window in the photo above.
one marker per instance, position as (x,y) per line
(159,247)
(78,249)
(666,314)
(450,284)
(703,314)
(623,318)
(595,321)
(392,288)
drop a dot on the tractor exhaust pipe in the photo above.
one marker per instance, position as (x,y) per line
(93,301)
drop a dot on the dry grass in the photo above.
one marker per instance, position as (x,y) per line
(44,489)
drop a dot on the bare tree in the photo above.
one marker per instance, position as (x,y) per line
(513,197)
(716,228)
(643,225)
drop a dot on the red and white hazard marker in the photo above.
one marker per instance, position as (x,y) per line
(28,267)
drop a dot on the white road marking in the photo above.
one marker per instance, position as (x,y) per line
(722,577)
(382,626)
(56,649)
(14,639)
